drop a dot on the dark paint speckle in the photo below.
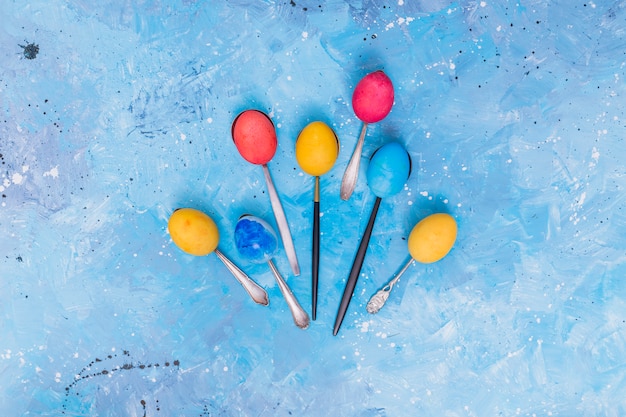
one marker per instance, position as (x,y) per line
(30,50)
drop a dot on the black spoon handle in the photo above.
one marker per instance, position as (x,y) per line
(316,256)
(356,268)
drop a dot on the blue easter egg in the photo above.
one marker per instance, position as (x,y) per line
(255,239)
(388,170)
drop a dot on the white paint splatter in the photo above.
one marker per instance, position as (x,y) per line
(365,326)
(595,156)
(17,178)
(54,172)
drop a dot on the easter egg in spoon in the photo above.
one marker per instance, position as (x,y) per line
(257,242)
(254,136)
(255,239)
(373,97)
(388,170)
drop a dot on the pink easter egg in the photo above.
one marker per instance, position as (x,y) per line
(373,97)
(254,136)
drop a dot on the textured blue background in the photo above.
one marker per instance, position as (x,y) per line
(512,111)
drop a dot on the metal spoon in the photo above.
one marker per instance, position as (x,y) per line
(388,170)
(379,299)
(256,241)
(254,136)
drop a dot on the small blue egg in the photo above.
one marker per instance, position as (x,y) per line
(388,170)
(255,239)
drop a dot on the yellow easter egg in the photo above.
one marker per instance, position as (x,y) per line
(193,231)
(317,148)
(432,238)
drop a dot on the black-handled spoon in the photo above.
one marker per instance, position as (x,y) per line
(388,170)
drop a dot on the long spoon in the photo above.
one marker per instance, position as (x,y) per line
(196,233)
(255,138)
(388,170)
(317,148)
(256,241)
(372,101)
(430,240)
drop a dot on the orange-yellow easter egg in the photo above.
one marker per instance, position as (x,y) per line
(432,238)
(193,231)
(317,148)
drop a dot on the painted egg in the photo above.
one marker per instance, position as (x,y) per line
(432,238)
(388,170)
(373,97)
(317,148)
(254,136)
(193,231)
(255,239)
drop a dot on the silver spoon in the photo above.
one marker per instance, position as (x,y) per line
(348,183)
(379,299)
(256,241)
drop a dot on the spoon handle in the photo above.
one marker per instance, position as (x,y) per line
(348,183)
(315,263)
(257,293)
(300,317)
(356,268)
(379,299)
(281,221)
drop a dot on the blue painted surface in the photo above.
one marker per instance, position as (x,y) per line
(388,170)
(513,114)
(255,240)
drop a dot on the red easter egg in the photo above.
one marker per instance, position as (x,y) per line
(373,97)
(254,136)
